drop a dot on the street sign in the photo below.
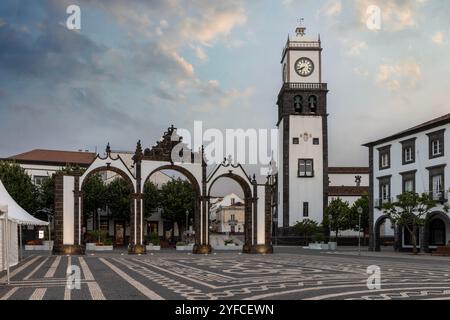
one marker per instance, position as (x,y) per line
(41,234)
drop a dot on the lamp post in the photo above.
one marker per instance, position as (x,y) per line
(275,226)
(187,222)
(360,211)
(49,216)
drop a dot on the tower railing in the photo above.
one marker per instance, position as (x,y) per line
(301,44)
(315,86)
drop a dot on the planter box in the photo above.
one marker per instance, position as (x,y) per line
(332,246)
(104,248)
(94,247)
(318,246)
(90,246)
(151,247)
(46,246)
(189,247)
(228,247)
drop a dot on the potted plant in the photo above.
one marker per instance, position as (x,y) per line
(91,240)
(229,242)
(153,242)
(34,245)
(105,245)
(319,242)
(98,240)
(181,246)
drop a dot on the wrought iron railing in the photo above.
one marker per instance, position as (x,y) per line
(380,202)
(439,196)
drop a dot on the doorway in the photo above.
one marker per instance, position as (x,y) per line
(119,233)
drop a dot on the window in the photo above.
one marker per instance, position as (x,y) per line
(40,180)
(298,103)
(437,186)
(316,141)
(296,141)
(384,157)
(312,104)
(233,201)
(436,144)
(306,168)
(305,209)
(408,154)
(437,183)
(385,160)
(408,151)
(408,186)
(436,148)
(409,181)
(385,190)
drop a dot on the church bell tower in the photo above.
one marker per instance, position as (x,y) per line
(303,141)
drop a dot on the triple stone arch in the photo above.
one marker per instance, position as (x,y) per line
(423,242)
(69,198)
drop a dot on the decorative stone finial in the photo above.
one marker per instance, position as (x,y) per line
(138,154)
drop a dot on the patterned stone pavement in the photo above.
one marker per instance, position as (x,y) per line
(172,275)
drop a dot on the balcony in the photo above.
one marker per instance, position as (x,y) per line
(380,202)
(307,86)
(439,196)
(301,44)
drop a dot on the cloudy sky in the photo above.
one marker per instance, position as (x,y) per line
(136,67)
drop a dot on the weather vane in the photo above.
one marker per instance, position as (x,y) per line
(301,30)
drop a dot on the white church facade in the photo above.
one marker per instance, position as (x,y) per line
(305,182)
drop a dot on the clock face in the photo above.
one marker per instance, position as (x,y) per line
(304,67)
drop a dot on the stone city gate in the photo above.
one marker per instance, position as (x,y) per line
(69,199)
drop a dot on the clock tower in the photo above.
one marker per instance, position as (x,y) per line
(303,141)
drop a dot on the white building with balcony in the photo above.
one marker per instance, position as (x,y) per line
(414,160)
(228,215)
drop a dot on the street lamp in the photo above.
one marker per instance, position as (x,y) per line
(360,211)
(187,217)
(275,226)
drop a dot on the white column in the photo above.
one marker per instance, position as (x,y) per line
(201,222)
(253,223)
(79,220)
(135,221)
(142,219)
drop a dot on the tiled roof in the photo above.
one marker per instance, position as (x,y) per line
(348,170)
(421,127)
(56,157)
(344,191)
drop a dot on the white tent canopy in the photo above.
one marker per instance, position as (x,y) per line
(15,212)
(15,216)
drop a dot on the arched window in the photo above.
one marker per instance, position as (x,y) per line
(437,233)
(298,103)
(312,103)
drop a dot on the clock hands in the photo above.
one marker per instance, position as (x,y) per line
(304,67)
